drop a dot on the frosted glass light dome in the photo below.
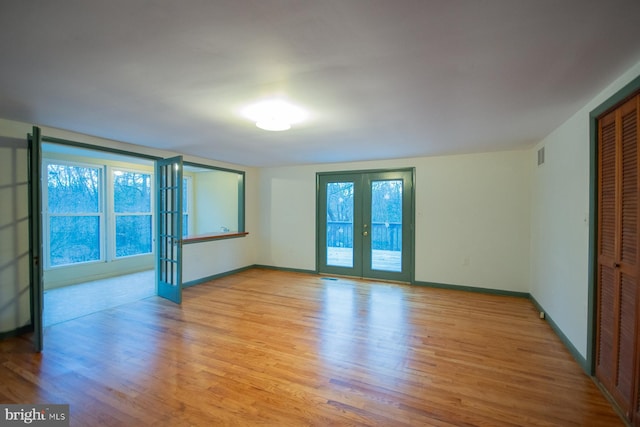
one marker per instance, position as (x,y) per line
(274,114)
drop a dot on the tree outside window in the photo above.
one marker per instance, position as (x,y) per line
(74,213)
(132,208)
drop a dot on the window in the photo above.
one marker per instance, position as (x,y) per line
(98,207)
(88,220)
(132,211)
(74,216)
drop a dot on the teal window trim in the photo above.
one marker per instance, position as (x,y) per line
(241,199)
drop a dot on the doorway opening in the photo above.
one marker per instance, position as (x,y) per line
(97,223)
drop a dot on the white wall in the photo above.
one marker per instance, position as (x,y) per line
(472,217)
(472,220)
(215,201)
(221,256)
(14,228)
(560,221)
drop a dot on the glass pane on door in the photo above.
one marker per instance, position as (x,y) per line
(168,228)
(340,224)
(386,225)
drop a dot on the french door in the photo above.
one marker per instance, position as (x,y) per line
(365,224)
(169,228)
(35,236)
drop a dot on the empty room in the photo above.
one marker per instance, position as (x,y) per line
(340,212)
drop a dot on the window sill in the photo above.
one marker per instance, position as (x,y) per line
(213,236)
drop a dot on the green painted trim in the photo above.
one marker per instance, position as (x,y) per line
(98,148)
(292,270)
(215,276)
(16,332)
(628,90)
(240,190)
(364,171)
(241,202)
(241,269)
(318,214)
(412,261)
(36,293)
(218,168)
(472,289)
(567,343)
(593,235)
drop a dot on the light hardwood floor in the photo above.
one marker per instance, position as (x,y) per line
(69,302)
(265,347)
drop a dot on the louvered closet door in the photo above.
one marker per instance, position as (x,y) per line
(631,137)
(618,243)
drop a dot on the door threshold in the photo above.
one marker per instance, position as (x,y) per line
(331,276)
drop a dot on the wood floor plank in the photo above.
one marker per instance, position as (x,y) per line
(265,347)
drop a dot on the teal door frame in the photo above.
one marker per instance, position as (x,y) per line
(36,291)
(323,266)
(362,224)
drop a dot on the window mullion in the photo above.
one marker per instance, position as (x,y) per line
(46,253)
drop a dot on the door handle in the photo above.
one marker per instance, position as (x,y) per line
(365,233)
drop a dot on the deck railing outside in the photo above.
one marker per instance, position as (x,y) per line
(384,235)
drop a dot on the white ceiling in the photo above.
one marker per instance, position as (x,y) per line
(380,78)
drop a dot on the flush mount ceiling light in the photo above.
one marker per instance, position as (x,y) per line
(274,114)
(273,124)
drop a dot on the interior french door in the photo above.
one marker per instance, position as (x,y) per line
(169,228)
(365,224)
(35,236)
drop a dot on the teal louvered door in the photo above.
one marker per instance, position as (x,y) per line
(618,251)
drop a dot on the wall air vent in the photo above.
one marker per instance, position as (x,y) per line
(541,156)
